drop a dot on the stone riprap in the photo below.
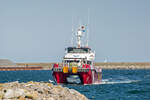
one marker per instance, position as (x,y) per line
(37,91)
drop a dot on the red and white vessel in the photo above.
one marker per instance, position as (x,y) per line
(77,66)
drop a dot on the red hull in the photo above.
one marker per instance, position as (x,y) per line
(89,77)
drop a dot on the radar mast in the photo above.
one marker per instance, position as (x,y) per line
(80,32)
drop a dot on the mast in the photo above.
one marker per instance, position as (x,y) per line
(80,32)
(79,35)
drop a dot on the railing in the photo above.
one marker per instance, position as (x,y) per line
(72,65)
(65,68)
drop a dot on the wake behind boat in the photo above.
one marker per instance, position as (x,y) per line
(77,65)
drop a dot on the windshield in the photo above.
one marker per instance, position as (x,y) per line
(77,62)
(72,61)
(78,50)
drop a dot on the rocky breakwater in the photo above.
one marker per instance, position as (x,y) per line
(37,91)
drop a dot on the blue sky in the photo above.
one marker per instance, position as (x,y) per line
(39,30)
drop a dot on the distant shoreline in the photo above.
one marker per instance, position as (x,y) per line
(48,66)
(124,65)
(112,65)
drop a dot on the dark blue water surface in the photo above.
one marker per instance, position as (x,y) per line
(116,84)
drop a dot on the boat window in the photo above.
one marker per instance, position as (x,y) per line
(71,61)
(78,50)
(89,62)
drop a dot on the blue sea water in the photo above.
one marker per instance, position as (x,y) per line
(115,85)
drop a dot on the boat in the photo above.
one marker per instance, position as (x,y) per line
(16,67)
(77,66)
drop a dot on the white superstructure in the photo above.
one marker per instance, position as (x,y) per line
(79,54)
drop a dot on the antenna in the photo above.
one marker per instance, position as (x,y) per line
(72,31)
(88,27)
